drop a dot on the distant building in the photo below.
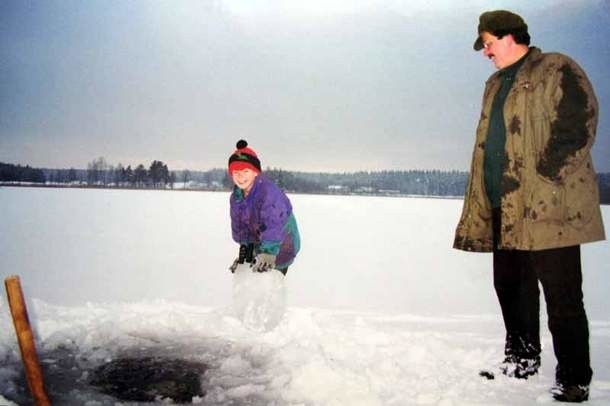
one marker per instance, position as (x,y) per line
(338,189)
(364,190)
(389,192)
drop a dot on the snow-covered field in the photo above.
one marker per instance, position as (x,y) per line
(381,310)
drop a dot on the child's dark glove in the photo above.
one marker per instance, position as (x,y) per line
(246,253)
(263,262)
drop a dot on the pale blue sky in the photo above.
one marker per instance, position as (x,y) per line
(334,85)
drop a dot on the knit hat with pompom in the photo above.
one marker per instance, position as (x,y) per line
(244,158)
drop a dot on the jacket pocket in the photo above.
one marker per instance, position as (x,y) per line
(581,198)
(548,201)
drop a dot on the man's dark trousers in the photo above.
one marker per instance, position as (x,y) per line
(516,276)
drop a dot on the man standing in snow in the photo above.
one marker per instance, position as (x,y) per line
(532,198)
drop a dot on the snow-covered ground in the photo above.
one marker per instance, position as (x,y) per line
(381,310)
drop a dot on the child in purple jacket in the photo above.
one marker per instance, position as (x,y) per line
(262,221)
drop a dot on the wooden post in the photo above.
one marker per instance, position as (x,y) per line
(25,337)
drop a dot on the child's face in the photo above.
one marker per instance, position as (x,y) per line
(244,179)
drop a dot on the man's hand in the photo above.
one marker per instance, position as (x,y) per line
(263,263)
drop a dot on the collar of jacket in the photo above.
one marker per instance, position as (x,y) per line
(533,54)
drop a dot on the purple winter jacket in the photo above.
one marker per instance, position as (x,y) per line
(264,218)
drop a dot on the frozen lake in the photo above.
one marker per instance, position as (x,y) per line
(392,255)
(381,309)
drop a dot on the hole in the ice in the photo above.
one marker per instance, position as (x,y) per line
(150,378)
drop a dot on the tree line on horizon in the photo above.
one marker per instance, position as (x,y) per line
(158,176)
(98,173)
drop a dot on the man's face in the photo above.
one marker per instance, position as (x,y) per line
(498,49)
(244,179)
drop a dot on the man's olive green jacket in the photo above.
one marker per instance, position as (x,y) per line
(550,196)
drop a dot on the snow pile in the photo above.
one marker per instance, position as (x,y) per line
(312,357)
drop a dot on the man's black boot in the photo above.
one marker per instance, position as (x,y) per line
(570,393)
